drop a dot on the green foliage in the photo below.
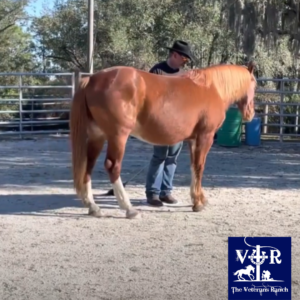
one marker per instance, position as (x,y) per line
(15,55)
(136,32)
(131,32)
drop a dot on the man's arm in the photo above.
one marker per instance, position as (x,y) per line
(155,70)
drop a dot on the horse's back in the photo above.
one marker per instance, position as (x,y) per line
(106,78)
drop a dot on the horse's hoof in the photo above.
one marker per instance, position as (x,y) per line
(95,211)
(198,207)
(132,214)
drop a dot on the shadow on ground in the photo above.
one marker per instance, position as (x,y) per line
(47,163)
(49,205)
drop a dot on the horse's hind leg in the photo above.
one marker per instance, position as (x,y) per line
(113,164)
(199,150)
(94,147)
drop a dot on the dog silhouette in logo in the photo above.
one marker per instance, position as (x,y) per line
(266,275)
(245,271)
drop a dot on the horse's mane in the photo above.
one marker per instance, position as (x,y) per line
(83,82)
(231,81)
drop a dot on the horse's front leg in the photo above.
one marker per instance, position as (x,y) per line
(198,152)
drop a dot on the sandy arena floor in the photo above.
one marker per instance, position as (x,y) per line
(50,249)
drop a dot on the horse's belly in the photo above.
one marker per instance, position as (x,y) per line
(136,132)
(139,134)
(157,134)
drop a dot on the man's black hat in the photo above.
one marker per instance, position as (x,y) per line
(182,48)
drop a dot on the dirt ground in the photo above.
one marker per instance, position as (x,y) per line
(50,249)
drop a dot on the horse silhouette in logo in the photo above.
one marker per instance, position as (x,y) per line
(245,271)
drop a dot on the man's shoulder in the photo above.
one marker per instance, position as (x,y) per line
(159,68)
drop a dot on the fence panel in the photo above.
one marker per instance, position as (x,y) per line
(277,103)
(35,103)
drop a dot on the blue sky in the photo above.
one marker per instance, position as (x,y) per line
(35,6)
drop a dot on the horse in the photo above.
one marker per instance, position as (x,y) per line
(117,102)
(246,271)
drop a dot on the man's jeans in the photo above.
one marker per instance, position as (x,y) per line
(161,170)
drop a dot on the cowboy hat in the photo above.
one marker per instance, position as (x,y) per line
(182,48)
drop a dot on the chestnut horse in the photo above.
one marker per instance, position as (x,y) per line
(117,102)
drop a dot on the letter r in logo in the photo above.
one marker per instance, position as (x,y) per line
(278,261)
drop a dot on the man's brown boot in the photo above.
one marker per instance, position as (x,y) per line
(168,199)
(154,201)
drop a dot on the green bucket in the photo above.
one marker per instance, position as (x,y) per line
(230,133)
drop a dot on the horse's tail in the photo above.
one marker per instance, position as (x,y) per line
(78,134)
(236,273)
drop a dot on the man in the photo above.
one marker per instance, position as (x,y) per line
(164,160)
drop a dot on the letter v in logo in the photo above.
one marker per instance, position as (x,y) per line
(239,255)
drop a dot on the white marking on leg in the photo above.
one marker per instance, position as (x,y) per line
(123,199)
(87,198)
(121,194)
(86,194)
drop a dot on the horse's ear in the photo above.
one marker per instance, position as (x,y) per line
(251,66)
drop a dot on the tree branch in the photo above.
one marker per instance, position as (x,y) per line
(212,47)
(6,27)
(73,57)
(58,57)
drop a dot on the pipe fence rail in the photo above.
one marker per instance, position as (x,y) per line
(39,103)
(278,107)
(35,103)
